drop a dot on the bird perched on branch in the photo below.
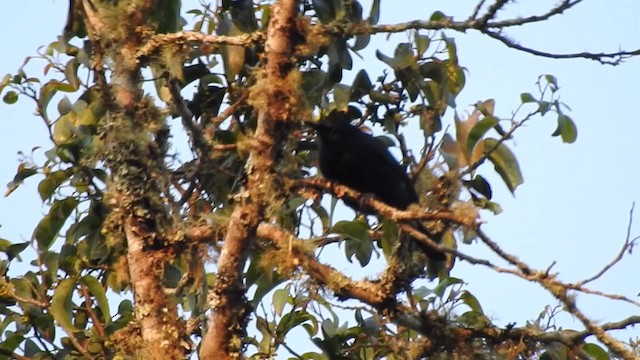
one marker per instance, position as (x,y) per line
(362,162)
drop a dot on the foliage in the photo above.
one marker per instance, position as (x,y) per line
(128,216)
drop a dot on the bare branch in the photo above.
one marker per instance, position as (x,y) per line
(341,191)
(370,293)
(193,130)
(612,58)
(628,244)
(492,29)
(558,9)
(159,41)
(492,11)
(615,346)
(366,291)
(476,10)
(88,305)
(560,291)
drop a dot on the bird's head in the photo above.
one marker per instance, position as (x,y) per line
(334,126)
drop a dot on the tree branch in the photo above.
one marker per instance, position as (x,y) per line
(342,191)
(224,339)
(612,58)
(436,328)
(135,162)
(490,28)
(159,41)
(627,246)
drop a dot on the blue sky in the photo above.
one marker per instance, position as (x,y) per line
(574,205)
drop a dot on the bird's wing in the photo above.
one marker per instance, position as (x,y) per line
(383,154)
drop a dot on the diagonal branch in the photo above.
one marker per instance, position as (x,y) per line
(492,11)
(493,29)
(557,10)
(628,244)
(366,291)
(342,191)
(371,293)
(611,58)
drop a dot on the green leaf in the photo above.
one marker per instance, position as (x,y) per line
(495,208)
(553,82)
(279,299)
(440,289)
(51,262)
(51,182)
(11,97)
(361,86)
(125,307)
(24,171)
(471,301)
(452,50)
(64,105)
(422,44)
(98,292)
(482,186)
(48,90)
(233,56)
(14,250)
(566,129)
(543,107)
(361,42)
(6,79)
(389,237)
(11,342)
(291,320)
(437,16)
(504,162)
(430,121)
(243,15)
(197,27)
(374,14)
(527,98)
(71,73)
(31,349)
(434,71)
(341,95)
(49,227)
(264,283)
(61,304)
(4,244)
(403,57)
(325,10)
(595,351)
(478,131)
(358,241)
(486,107)
(474,319)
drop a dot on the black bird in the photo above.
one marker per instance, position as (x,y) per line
(362,162)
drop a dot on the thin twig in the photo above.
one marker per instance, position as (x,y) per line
(492,11)
(194,131)
(559,9)
(612,58)
(627,244)
(476,11)
(97,323)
